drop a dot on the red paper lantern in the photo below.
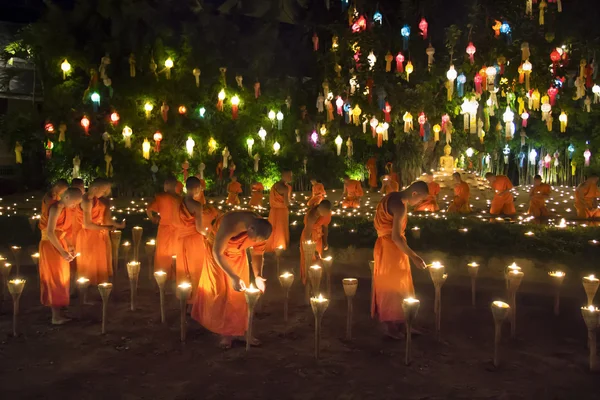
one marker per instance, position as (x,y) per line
(422,119)
(552,92)
(423,25)
(85,123)
(114,117)
(471,49)
(182,110)
(157,138)
(49,127)
(400,63)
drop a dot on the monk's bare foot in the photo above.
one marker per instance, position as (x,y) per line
(225,342)
(60,320)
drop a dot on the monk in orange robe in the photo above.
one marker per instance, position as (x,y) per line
(392,279)
(164,211)
(55,254)
(279,214)
(178,188)
(430,202)
(352,193)
(503,202)
(316,228)
(233,190)
(53,195)
(389,169)
(388,185)
(191,239)
(93,241)
(256,199)
(76,216)
(537,198)
(200,197)
(372,171)
(220,305)
(318,193)
(586,198)
(462,193)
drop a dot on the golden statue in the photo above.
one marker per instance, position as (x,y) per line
(447,161)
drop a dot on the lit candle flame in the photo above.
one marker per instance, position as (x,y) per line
(436,265)
(514,267)
(151,242)
(473,265)
(17,281)
(557,274)
(416,228)
(591,308)
(286,275)
(529,233)
(349,280)
(500,304)
(160,273)
(184,285)
(591,278)
(126,244)
(82,280)
(328,258)
(315,267)
(35,255)
(252,289)
(137,228)
(411,300)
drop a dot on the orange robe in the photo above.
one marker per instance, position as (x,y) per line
(167,206)
(316,235)
(354,192)
(502,203)
(256,200)
(585,205)
(318,194)
(46,203)
(372,168)
(191,250)
(460,204)
(279,217)
(55,272)
(392,279)
(179,188)
(391,187)
(537,204)
(95,253)
(217,306)
(233,189)
(209,216)
(430,202)
(201,199)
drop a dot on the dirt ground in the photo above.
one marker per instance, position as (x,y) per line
(140,358)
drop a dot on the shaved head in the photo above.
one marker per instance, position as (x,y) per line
(192,184)
(259,229)
(61,183)
(419,187)
(325,205)
(72,196)
(79,184)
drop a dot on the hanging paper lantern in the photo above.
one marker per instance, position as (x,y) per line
(338,144)
(148,107)
(379,131)
(430,51)
(377,18)
(532,156)
(469,152)
(422,119)
(212,146)
(339,103)
(250,144)
(220,98)
(95,97)
(477,80)
(386,112)
(506,30)
(373,123)
(525,51)
(524,118)
(127,132)
(555,57)
(279,120)
(552,92)
(451,75)
(408,122)
(460,84)
(371,59)
(509,127)
(587,154)
(189,146)
(114,118)
(168,66)
(323,130)
(596,91)
(400,63)
(235,101)
(423,25)
(262,134)
(85,123)
(201,112)
(314,137)
(491,72)
(157,139)
(527,67)
(543,6)
(506,152)
(272,116)
(436,132)
(563,121)
(471,49)
(49,146)
(405,32)
(496,27)
(49,127)
(276,148)
(182,110)
(409,70)
(146,149)
(66,68)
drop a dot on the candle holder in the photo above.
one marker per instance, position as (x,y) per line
(35,257)
(32,223)
(252,295)
(82,287)
(557,280)
(590,284)
(5,270)
(512,267)
(473,272)
(16,250)
(309,247)
(410,307)
(318,305)
(105,289)
(15,288)
(126,247)
(500,311)
(183,290)
(150,249)
(415,232)
(590,316)
(136,237)
(133,272)
(514,282)
(286,280)
(161,280)
(327,263)
(315,273)
(115,242)
(278,252)
(350,286)
(438,276)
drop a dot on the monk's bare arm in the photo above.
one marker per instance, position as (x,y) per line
(52,218)
(400,241)
(310,221)
(108,220)
(86,206)
(198,212)
(257,265)
(151,210)
(221,239)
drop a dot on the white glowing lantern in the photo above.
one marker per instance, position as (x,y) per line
(371,59)
(491,75)
(469,152)
(532,156)
(146,149)
(279,120)
(189,145)
(563,121)
(168,66)
(596,91)
(276,148)
(527,67)
(508,118)
(587,154)
(338,144)
(451,75)
(250,143)
(524,117)
(127,132)
(262,134)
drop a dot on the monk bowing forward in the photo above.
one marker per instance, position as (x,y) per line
(191,239)
(372,171)
(55,254)
(586,198)
(53,195)
(164,211)
(233,190)
(462,193)
(503,202)
(537,198)
(279,214)
(316,228)
(93,241)
(430,202)
(220,305)
(392,279)
(352,194)
(318,193)
(388,185)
